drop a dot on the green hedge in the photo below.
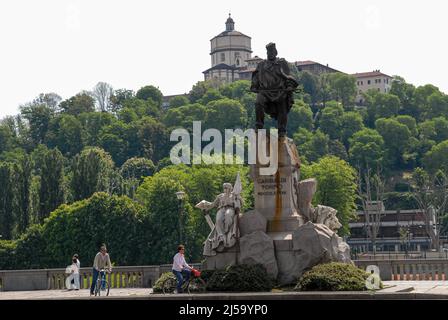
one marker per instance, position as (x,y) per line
(334,276)
(240,278)
(81,228)
(157,287)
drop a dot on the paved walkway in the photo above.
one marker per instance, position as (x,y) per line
(393,290)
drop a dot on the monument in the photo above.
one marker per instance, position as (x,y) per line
(284,232)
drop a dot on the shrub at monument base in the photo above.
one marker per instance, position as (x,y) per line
(334,276)
(240,278)
(157,288)
(207,274)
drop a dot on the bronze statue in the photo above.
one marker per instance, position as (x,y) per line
(274,85)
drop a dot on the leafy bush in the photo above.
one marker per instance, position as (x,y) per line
(207,274)
(7,248)
(157,288)
(334,276)
(240,278)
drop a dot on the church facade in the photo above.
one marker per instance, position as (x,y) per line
(231,56)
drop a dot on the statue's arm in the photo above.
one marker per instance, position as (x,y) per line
(291,82)
(255,86)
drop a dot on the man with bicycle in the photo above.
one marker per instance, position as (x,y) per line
(181,268)
(101,262)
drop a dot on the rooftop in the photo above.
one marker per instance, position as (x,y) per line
(374,73)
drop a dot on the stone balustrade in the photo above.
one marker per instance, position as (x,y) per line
(410,269)
(146,276)
(54,279)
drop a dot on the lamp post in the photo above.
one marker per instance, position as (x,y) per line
(180,196)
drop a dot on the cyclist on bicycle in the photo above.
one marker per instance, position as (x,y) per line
(102,261)
(181,268)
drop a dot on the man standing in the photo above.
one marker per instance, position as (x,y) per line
(102,261)
(274,85)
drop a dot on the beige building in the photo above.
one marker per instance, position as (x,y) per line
(375,80)
(314,67)
(230,52)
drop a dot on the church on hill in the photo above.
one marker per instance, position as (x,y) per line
(231,56)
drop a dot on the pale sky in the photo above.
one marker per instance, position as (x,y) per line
(68,46)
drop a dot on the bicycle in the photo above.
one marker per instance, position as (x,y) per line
(194,284)
(102,284)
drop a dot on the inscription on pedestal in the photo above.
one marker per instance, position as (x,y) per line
(270,187)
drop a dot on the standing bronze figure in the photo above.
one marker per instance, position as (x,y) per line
(274,85)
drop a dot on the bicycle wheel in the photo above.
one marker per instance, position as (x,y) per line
(196,285)
(169,285)
(98,287)
(107,288)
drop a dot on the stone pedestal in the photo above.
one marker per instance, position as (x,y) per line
(276,195)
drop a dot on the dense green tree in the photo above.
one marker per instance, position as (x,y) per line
(210,95)
(6,137)
(336,187)
(437,158)
(150,92)
(236,90)
(343,87)
(336,148)
(396,139)
(421,97)
(92,170)
(127,115)
(178,101)
(51,192)
(137,168)
(23,178)
(118,98)
(38,117)
(159,198)
(225,114)
(300,116)
(351,122)
(381,105)
(330,121)
(311,146)
(142,107)
(7,200)
(199,89)
(154,139)
(51,100)
(92,123)
(80,103)
(183,117)
(405,92)
(67,134)
(366,148)
(310,85)
(81,227)
(409,122)
(437,105)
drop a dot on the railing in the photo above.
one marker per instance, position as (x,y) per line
(435,269)
(54,279)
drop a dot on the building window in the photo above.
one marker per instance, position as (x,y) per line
(223,57)
(362,83)
(368,81)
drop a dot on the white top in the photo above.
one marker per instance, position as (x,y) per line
(75,268)
(179,262)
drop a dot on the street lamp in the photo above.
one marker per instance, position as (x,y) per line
(180,196)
